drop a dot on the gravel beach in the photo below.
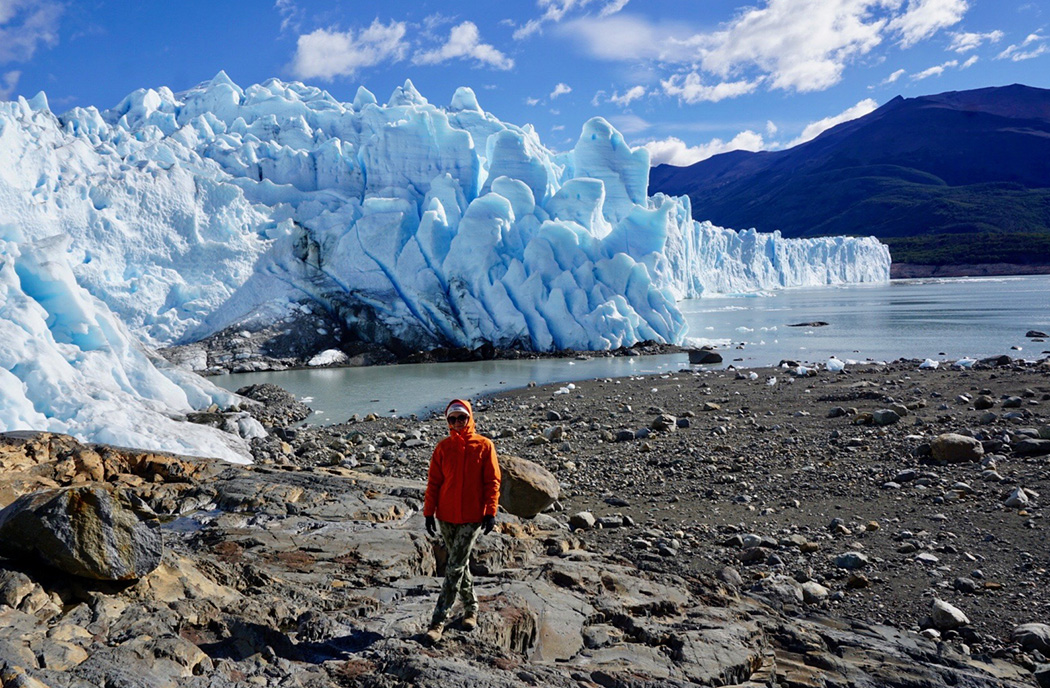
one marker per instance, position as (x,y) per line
(879,526)
(826,479)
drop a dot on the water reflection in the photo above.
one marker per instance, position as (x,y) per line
(403,390)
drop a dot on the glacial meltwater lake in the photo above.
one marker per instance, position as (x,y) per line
(944,319)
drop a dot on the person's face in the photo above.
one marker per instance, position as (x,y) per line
(458,420)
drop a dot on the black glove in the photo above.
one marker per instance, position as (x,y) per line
(488,523)
(432,526)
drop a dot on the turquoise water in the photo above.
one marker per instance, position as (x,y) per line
(943,319)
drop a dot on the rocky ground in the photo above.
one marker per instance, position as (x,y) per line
(714,528)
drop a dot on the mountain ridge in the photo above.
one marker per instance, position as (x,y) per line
(961,162)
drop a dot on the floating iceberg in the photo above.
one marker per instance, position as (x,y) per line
(409,223)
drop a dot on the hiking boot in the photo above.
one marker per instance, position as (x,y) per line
(470,621)
(433,635)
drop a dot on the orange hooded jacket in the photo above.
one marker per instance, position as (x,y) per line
(464,477)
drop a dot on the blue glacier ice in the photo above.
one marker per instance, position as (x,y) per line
(177,216)
(431,225)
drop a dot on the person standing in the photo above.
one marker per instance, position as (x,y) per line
(461,499)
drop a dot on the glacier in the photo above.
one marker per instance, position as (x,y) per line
(68,365)
(171,218)
(407,222)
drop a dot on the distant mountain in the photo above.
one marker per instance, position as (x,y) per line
(956,178)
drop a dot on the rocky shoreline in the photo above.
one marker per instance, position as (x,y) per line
(315,340)
(916,271)
(884,525)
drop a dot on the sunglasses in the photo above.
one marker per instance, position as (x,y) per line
(459,418)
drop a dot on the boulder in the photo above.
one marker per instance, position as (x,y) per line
(995,361)
(944,616)
(953,448)
(983,402)
(1033,636)
(1017,498)
(814,593)
(583,520)
(1035,334)
(85,531)
(851,561)
(885,417)
(1032,447)
(527,488)
(664,422)
(704,356)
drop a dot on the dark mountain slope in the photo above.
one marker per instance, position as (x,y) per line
(970,163)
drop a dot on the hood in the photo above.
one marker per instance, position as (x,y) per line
(468,429)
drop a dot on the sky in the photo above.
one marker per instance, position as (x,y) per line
(687,79)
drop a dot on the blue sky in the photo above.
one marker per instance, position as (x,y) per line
(685,78)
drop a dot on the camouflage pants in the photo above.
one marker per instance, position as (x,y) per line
(459,540)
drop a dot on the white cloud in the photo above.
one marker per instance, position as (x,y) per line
(633,93)
(560,90)
(613,7)
(532,101)
(326,54)
(629,38)
(969,62)
(555,10)
(629,124)
(674,151)
(923,18)
(291,15)
(690,89)
(814,129)
(464,41)
(936,70)
(771,128)
(792,45)
(802,45)
(963,42)
(1032,46)
(893,77)
(26,25)
(8,81)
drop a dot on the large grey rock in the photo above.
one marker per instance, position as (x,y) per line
(527,487)
(953,448)
(851,561)
(1032,447)
(84,531)
(704,356)
(885,417)
(1017,498)
(1033,636)
(945,616)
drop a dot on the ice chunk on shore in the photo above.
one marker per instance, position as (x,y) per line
(68,365)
